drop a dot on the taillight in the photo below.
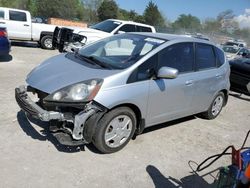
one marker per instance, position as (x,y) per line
(3,34)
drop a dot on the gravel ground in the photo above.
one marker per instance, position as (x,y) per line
(30,157)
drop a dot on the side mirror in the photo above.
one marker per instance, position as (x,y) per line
(167,72)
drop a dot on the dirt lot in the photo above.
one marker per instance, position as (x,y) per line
(30,157)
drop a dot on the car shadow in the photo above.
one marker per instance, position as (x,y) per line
(6,58)
(240,96)
(193,180)
(25,44)
(167,124)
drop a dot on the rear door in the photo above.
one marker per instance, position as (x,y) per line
(18,25)
(208,77)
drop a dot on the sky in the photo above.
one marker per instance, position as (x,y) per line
(171,9)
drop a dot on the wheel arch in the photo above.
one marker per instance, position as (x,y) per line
(140,122)
(45,33)
(225,92)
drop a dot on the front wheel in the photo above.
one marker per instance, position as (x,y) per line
(215,108)
(114,130)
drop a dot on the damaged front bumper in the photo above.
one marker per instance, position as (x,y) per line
(69,136)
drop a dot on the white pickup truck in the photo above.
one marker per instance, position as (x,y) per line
(63,36)
(20,27)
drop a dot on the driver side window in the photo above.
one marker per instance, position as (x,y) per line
(145,71)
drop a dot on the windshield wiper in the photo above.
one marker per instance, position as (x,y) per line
(94,61)
(100,63)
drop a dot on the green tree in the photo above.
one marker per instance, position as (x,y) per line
(211,25)
(153,16)
(66,9)
(227,14)
(108,9)
(90,10)
(187,22)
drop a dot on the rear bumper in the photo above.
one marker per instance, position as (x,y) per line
(70,135)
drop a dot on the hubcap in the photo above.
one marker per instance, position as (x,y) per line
(118,131)
(217,105)
(48,43)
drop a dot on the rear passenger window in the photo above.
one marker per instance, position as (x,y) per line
(1,14)
(143,29)
(127,28)
(205,58)
(18,16)
(219,57)
(179,56)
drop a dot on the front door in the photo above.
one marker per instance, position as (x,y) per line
(172,98)
(19,25)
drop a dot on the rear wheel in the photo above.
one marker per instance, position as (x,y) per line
(114,130)
(215,108)
(46,42)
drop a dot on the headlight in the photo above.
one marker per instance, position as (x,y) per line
(80,92)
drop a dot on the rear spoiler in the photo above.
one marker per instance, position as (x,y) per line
(63,37)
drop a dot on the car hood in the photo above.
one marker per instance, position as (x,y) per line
(230,55)
(63,70)
(89,31)
(92,34)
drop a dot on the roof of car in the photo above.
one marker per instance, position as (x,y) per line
(169,37)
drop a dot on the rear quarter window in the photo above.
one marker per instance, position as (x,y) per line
(205,58)
(220,57)
(143,29)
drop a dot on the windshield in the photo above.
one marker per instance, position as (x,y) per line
(106,26)
(121,51)
(230,49)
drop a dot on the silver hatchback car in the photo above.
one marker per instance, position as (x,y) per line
(114,88)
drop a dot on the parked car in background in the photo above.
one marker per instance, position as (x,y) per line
(20,27)
(96,32)
(236,43)
(233,52)
(108,90)
(240,75)
(4,42)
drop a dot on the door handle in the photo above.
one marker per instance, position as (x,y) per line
(218,76)
(26,25)
(189,82)
(2,23)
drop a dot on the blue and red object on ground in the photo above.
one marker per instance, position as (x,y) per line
(236,175)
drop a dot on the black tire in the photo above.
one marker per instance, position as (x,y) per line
(210,114)
(44,42)
(99,136)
